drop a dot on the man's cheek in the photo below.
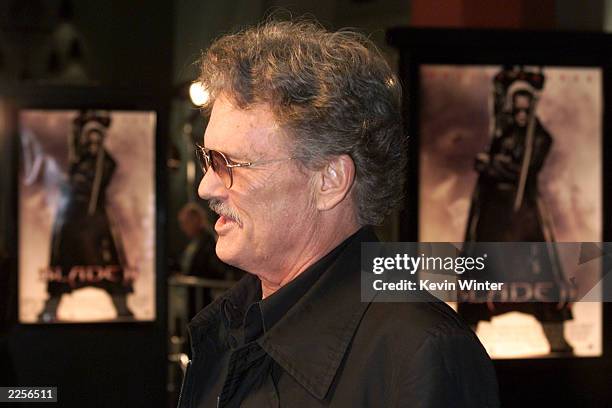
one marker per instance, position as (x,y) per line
(258,181)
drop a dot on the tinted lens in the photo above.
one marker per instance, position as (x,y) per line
(219,166)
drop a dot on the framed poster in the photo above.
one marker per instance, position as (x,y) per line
(508,145)
(87,214)
(474,129)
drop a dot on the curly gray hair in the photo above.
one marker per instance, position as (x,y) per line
(333,94)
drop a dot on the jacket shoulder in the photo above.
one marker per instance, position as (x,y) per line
(431,357)
(414,322)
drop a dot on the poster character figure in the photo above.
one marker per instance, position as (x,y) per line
(507,206)
(86,248)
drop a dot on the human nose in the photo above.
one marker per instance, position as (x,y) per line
(211,186)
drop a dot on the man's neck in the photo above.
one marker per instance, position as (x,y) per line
(315,248)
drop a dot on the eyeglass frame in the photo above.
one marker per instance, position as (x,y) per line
(229,164)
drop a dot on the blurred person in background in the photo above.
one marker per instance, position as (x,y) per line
(199,257)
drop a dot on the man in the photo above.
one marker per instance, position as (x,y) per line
(497,215)
(199,257)
(84,238)
(303,151)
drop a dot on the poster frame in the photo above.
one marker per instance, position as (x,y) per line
(426,46)
(51,97)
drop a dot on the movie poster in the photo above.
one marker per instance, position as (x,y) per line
(86,216)
(514,154)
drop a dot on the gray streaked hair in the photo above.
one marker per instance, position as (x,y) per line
(331,92)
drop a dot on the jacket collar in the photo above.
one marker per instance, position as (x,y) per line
(309,342)
(204,327)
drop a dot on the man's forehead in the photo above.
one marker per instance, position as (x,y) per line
(238,131)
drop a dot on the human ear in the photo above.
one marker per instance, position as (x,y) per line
(335,181)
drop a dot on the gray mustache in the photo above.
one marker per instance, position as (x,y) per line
(221,208)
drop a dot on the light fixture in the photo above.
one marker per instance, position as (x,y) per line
(198,94)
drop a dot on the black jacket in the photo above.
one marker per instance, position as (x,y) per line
(331,349)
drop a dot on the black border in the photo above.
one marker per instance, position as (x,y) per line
(523,382)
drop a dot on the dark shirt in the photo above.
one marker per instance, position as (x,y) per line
(314,343)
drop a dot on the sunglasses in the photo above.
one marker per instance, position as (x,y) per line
(222,166)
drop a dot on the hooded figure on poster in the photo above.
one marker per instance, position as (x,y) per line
(507,207)
(86,247)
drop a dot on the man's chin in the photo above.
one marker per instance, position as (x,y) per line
(227,252)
